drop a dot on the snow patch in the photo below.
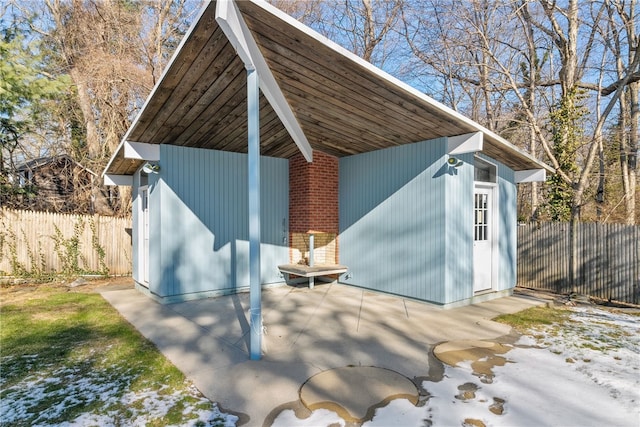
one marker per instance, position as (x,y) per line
(584,374)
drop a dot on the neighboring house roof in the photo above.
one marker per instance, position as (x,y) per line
(45,161)
(343,104)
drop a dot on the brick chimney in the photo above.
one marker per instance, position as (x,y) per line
(313,207)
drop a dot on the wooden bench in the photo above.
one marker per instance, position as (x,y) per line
(312,272)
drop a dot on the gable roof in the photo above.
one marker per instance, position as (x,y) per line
(343,104)
(46,161)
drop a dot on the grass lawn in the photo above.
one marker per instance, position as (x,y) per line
(594,327)
(67,357)
(534,317)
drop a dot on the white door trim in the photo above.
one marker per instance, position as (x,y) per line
(143,234)
(493,236)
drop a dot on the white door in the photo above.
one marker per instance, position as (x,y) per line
(483,235)
(144,216)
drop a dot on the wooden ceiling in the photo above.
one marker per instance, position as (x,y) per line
(342,106)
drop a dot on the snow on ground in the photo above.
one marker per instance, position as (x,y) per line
(585,374)
(319,417)
(64,388)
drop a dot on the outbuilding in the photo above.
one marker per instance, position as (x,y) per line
(266,147)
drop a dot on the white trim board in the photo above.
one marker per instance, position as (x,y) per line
(112,180)
(530,175)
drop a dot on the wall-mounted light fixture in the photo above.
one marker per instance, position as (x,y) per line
(454,162)
(150,168)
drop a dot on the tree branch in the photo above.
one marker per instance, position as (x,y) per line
(632,78)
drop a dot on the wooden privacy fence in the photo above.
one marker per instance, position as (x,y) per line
(39,243)
(608,259)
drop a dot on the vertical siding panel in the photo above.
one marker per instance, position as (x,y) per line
(458,226)
(508,226)
(205,220)
(391,208)
(274,206)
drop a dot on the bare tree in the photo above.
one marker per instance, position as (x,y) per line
(113,51)
(506,58)
(628,123)
(367,28)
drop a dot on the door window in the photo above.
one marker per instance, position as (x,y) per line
(481,210)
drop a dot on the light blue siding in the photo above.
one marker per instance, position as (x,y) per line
(406,223)
(393,219)
(199,222)
(458,243)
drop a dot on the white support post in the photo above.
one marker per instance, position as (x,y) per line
(255,290)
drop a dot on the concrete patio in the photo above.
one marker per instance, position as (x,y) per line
(308,331)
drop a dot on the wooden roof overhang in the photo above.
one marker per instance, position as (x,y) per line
(342,104)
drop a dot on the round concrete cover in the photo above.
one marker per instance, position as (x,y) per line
(355,391)
(483,355)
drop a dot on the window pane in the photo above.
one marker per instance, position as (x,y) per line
(484,171)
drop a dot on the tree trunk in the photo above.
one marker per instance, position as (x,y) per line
(86,106)
(628,158)
(532,149)
(601,181)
